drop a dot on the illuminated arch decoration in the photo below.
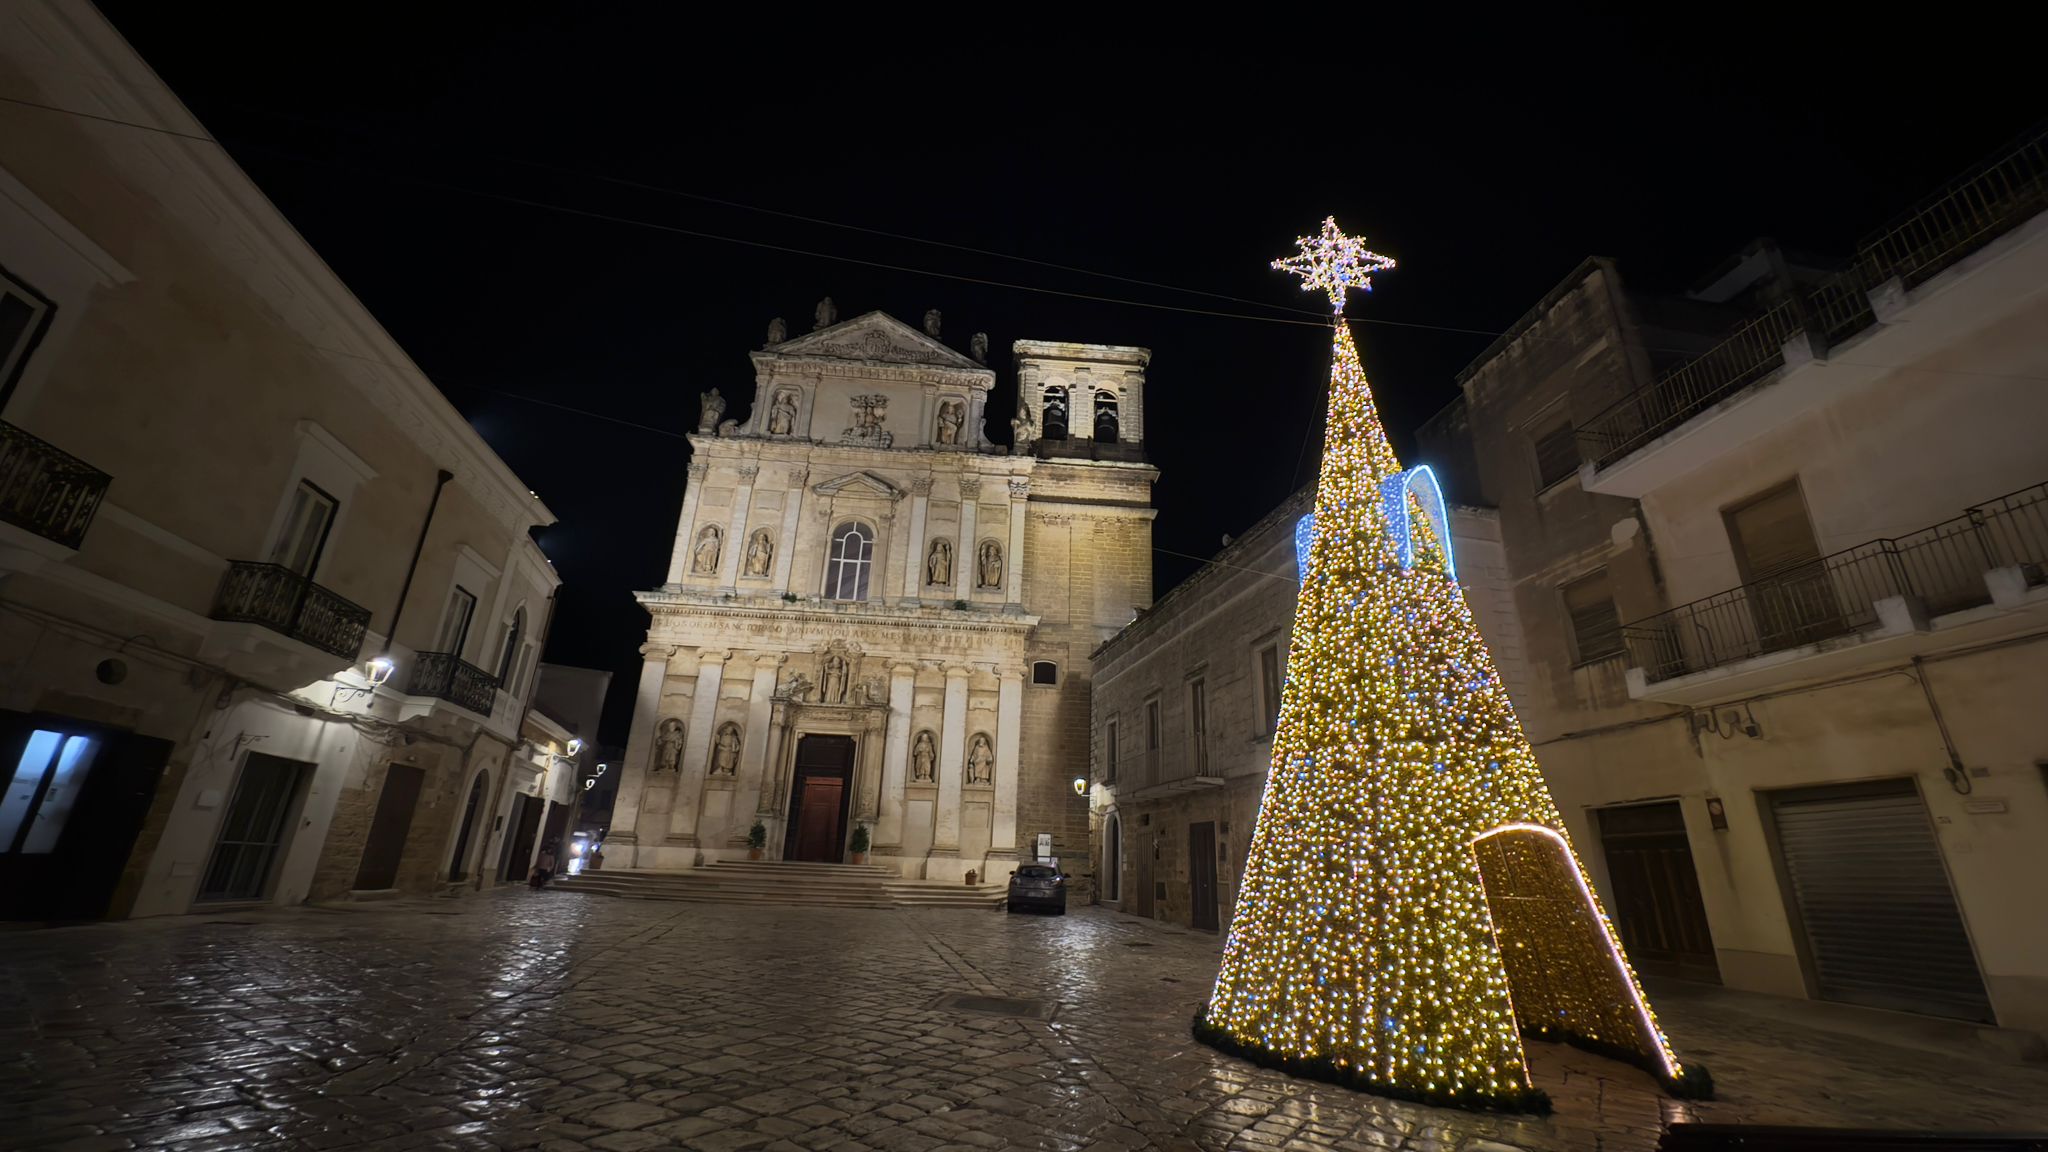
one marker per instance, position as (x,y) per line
(1421,483)
(1411,907)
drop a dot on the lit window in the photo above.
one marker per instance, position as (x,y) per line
(45,786)
(846,572)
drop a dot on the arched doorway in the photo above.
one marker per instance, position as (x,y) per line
(819,794)
(457,865)
(1112,857)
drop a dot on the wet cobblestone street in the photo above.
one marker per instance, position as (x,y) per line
(566,1021)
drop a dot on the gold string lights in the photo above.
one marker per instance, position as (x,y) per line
(1411,906)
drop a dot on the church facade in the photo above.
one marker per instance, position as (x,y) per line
(874,618)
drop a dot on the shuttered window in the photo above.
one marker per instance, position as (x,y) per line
(1596,627)
(1557,452)
(1771,534)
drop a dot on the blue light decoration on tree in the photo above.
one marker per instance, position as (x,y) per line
(1411,907)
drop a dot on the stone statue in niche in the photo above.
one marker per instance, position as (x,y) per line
(782,414)
(834,680)
(924,758)
(978,347)
(827,314)
(952,414)
(725,751)
(1023,428)
(938,565)
(989,565)
(668,745)
(710,410)
(704,557)
(778,331)
(760,553)
(981,761)
(931,323)
(868,414)
(877,692)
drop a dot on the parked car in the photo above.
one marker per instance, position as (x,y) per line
(1038,886)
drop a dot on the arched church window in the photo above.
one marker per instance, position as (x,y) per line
(1055,419)
(846,570)
(1105,417)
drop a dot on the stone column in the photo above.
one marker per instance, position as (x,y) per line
(1013,575)
(913,572)
(1002,839)
(952,764)
(974,435)
(895,757)
(639,745)
(928,417)
(682,826)
(754,743)
(792,507)
(963,556)
(736,535)
(679,560)
(772,785)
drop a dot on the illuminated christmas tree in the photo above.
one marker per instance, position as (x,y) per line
(1411,906)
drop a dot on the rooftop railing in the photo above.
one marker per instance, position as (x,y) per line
(1971,212)
(46,490)
(1941,566)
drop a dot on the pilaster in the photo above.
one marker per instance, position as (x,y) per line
(1013,595)
(792,508)
(963,553)
(895,757)
(1009,724)
(682,826)
(913,572)
(736,535)
(639,744)
(753,752)
(686,523)
(952,764)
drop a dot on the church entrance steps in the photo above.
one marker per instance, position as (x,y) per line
(785,883)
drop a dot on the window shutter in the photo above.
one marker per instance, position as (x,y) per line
(1596,626)
(1557,454)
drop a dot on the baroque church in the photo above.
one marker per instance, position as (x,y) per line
(876,618)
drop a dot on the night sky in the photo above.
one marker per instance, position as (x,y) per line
(514,202)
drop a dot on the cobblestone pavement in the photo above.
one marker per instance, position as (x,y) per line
(564,1021)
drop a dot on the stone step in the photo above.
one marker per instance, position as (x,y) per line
(779,884)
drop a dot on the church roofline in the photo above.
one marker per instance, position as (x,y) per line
(660,601)
(1100,353)
(950,359)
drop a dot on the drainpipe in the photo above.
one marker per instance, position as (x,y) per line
(1958,777)
(547,625)
(441,481)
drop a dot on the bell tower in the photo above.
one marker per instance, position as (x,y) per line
(1080,400)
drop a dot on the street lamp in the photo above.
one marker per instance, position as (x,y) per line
(1080,785)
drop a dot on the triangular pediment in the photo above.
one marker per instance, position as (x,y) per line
(860,484)
(875,337)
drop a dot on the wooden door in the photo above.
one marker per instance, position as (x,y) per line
(72,800)
(519,846)
(259,818)
(1202,876)
(817,829)
(386,845)
(1655,893)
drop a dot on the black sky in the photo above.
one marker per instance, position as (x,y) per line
(1489,157)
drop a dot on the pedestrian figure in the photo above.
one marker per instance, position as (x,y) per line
(544,866)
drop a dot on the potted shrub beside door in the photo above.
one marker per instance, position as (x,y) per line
(859,846)
(757,839)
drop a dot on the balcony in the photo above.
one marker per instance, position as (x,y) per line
(446,676)
(46,492)
(1158,778)
(1743,386)
(1859,607)
(281,600)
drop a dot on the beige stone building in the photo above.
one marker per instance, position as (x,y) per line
(224,492)
(1785,614)
(1186,698)
(875,617)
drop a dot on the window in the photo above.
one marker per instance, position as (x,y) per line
(513,634)
(1198,725)
(1268,660)
(1771,534)
(43,789)
(25,315)
(455,621)
(846,572)
(1044,672)
(1149,770)
(1109,753)
(299,545)
(1557,452)
(1596,628)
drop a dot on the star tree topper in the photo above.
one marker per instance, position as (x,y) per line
(1334,262)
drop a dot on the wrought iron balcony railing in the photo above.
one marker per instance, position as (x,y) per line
(1942,566)
(46,490)
(287,603)
(1974,210)
(449,677)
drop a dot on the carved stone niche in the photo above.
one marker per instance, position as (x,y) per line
(838,674)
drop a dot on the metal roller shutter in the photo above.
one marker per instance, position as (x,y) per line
(1874,900)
